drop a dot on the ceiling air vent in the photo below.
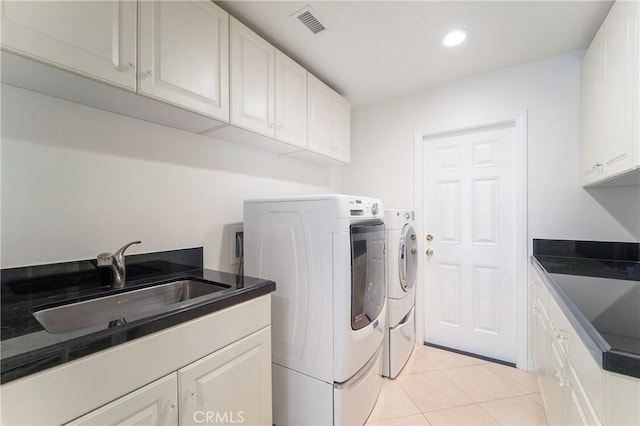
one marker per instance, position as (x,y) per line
(310,19)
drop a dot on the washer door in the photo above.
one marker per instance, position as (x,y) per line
(408,257)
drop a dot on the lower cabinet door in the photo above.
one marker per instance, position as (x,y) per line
(154,404)
(555,392)
(230,386)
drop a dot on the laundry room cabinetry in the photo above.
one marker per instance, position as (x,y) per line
(610,87)
(184,55)
(154,404)
(575,389)
(216,365)
(94,39)
(558,355)
(329,121)
(268,91)
(184,64)
(170,57)
(202,389)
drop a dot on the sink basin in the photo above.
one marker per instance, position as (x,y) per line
(120,308)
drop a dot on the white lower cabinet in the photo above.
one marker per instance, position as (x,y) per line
(574,387)
(154,404)
(232,385)
(215,369)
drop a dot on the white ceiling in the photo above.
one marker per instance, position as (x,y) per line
(375,50)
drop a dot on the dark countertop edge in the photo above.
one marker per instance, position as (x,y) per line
(608,358)
(15,367)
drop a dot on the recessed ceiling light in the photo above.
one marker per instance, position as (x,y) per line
(454,38)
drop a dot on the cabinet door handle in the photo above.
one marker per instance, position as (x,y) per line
(560,377)
(170,405)
(189,393)
(146,74)
(534,308)
(560,335)
(125,67)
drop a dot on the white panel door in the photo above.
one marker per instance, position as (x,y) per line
(469,265)
(252,80)
(184,55)
(154,404)
(230,386)
(93,38)
(291,101)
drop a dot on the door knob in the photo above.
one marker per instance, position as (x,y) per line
(429,237)
(429,252)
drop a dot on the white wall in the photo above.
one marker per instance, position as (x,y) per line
(383,144)
(77,181)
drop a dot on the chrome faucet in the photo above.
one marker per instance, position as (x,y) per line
(116,263)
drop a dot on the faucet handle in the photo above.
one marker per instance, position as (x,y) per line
(120,253)
(105,259)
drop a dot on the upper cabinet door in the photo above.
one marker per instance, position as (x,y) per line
(93,38)
(610,93)
(341,128)
(329,118)
(620,53)
(291,101)
(252,80)
(591,104)
(319,116)
(184,55)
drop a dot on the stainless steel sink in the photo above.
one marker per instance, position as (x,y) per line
(127,306)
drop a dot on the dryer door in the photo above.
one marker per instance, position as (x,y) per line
(367,273)
(408,257)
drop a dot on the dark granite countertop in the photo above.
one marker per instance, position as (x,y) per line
(597,286)
(27,347)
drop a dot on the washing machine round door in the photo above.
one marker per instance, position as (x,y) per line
(408,257)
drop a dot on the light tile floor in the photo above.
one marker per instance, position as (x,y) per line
(439,387)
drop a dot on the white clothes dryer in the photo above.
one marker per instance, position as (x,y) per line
(402,264)
(328,312)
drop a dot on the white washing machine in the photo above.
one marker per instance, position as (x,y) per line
(402,264)
(328,312)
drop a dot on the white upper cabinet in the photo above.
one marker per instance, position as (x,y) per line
(610,90)
(252,80)
(268,89)
(290,101)
(329,116)
(187,64)
(93,38)
(341,128)
(184,55)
